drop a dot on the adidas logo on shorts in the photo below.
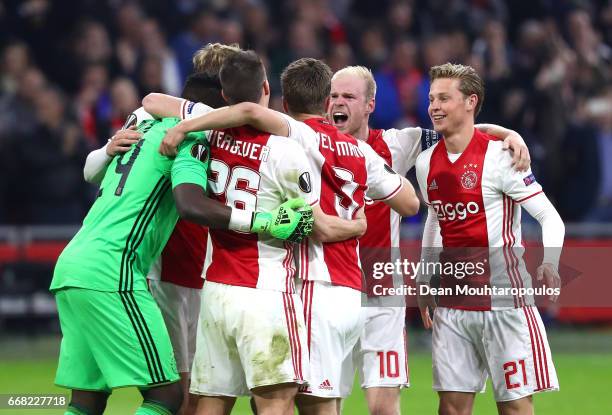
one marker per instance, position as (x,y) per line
(326,385)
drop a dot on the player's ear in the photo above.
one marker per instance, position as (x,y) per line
(285,106)
(327,103)
(370,106)
(472,101)
(266,87)
(224,97)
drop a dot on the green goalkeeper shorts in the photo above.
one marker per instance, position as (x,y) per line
(111,340)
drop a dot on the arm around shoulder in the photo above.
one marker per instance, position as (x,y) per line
(162,105)
(328,228)
(95,165)
(193,205)
(405,201)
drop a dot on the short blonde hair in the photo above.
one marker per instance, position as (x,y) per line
(469,81)
(210,58)
(363,73)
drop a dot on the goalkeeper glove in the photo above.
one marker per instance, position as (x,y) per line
(285,222)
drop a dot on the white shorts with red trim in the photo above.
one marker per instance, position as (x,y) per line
(333,322)
(248,338)
(381,355)
(180,307)
(509,345)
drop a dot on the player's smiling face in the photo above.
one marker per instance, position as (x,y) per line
(348,106)
(448,107)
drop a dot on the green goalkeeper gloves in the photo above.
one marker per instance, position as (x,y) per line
(291,221)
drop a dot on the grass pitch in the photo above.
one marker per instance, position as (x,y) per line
(586,385)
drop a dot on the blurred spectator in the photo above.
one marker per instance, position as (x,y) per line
(154,44)
(401,20)
(400,81)
(599,111)
(547,69)
(124,99)
(15,60)
(203,28)
(51,161)
(373,52)
(435,51)
(150,75)
(129,21)
(17,109)
(231,32)
(93,104)
(339,56)
(491,57)
(17,123)
(259,34)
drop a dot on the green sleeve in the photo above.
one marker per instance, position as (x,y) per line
(191,162)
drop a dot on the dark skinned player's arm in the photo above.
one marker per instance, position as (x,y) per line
(193,205)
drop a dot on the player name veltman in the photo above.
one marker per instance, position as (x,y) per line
(404,290)
(342,148)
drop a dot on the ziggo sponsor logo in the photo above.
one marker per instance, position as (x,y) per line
(452,211)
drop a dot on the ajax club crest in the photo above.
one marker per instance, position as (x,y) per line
(469,178)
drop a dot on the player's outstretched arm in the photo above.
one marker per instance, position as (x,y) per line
(521,160)
(162,105)
(245,113)
(405,202)
(328,228)
(98,160)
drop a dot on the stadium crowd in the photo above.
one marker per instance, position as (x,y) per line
(70,76)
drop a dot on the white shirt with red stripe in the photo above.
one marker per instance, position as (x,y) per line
(399,148)
(476,199)
(190,109)
(346,170)
(182,260)
(254,171)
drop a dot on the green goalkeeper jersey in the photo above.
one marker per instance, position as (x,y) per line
(134,214)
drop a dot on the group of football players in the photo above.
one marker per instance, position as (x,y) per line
(248,225)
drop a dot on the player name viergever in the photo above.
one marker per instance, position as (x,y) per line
(253,151)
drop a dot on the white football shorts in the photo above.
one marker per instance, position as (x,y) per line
(248,338)
(508,345)
(381,354)
(333,322)
(180,307)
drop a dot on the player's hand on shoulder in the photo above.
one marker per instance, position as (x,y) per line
(361,220)
(122,141)
(549,274)
(173,138)
(521,159)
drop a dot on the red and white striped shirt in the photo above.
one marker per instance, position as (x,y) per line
(399,148)
(182,260)
(255,171)
(475,199)
(347,170)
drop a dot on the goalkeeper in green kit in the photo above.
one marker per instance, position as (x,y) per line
(113,332)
